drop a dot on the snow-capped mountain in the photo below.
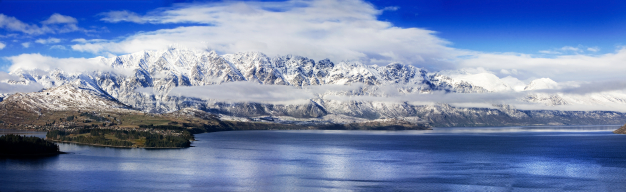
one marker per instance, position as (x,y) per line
(542,83)
(488,81)
(162,71)
(75,96)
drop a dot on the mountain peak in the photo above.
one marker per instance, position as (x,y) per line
(542,83)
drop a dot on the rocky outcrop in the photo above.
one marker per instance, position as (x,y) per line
(621,130)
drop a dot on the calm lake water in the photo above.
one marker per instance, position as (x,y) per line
(588,158)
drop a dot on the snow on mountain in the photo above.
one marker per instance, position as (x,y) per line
(162,71)
(542,83)
(607,100)
(514,83)
(488,81)
(76,95)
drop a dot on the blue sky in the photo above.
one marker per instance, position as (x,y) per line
(525,26)
(435,34)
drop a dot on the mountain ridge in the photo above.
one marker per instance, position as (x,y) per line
(162,71)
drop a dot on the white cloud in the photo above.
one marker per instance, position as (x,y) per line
(70,65)
(79,40)
(245,91)
(507,72)
(588,87)
(549,52)
(485,80)
(465,99)
(4,76)
(10,35)
(59,19)
(573,107)
(2,45)
(487,100)
(13,88)
(48,41)
(338,30)
(13,24)
(514,83)
(561,68)
(26,44)
(391,8)
(121,16)
(570,48)
(61,47)
(82,40)
(593,49)
(56,23)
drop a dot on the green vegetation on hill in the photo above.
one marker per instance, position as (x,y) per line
(21,145)
(123,138)
(139,129)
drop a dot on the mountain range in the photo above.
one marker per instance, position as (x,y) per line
(300,91)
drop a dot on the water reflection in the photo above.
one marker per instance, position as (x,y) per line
(30,163)
(477,130)
(525,129)
(457,159)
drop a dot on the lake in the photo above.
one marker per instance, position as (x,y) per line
(552,158)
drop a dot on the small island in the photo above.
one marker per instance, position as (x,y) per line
(21,146)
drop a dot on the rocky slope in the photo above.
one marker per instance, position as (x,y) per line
(161,71)
(621,130)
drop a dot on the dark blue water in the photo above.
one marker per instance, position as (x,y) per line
(588,158)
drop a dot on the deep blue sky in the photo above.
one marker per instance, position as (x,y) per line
(522,26)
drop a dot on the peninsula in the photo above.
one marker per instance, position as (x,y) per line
(21,146)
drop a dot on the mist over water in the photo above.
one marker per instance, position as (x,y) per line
(458,159)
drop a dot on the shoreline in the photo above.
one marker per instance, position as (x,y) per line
(31,155)
(98,145)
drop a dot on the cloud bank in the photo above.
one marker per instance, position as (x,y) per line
(37,61)
(338,30)
(244,91)
(603,67)
(6,88)
(319,29)
(587,88)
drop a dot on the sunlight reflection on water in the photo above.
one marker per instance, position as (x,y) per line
(475,130)
(457,159)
